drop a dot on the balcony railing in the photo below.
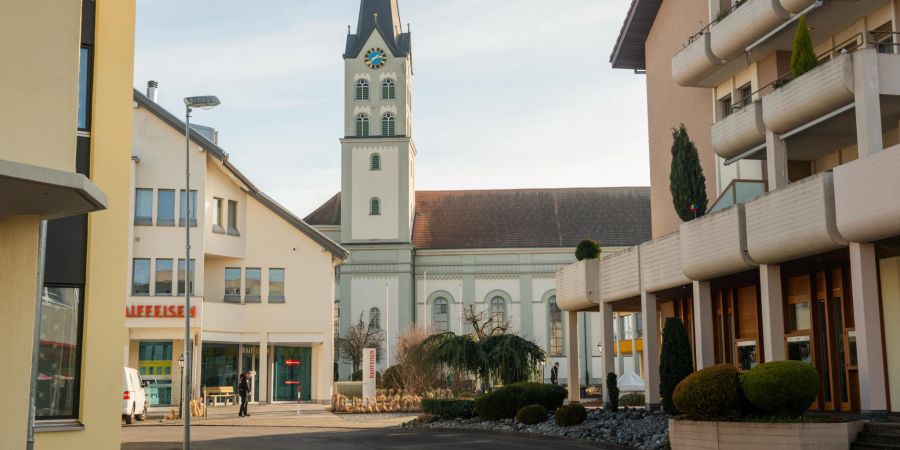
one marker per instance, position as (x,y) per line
(738,192)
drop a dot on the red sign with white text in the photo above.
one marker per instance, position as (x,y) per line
(157,311)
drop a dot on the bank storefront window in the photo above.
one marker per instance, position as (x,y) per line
(155,366)
(292,370)
(59,370)
(219,365)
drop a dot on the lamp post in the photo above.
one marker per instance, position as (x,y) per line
(202,102)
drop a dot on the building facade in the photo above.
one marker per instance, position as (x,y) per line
(66,127)
(420,258)
(799,263)
(261,280)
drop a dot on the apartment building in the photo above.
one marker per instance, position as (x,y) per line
(261,283)
(66,128)
(800,262)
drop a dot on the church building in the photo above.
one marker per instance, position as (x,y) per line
(418,258)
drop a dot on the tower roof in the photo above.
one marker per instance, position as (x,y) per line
(383,16)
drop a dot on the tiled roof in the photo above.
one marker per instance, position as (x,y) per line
(521,218)
(629,51)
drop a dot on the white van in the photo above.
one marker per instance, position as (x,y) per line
(134,401)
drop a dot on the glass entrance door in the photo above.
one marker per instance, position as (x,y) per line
(291,370)
(250,363)
(155,366)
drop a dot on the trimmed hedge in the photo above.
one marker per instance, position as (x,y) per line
(632,399)
(531,414)
(503,403)
(570,415)
(449,409)
(781,388)
(710,394)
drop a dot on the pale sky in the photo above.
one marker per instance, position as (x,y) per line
(506,93)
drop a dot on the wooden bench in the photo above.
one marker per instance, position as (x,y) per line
(214,394)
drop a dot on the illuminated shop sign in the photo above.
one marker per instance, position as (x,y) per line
(157,311)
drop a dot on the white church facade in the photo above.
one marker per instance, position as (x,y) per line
(417,258)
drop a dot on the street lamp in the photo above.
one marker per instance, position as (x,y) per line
(201,102)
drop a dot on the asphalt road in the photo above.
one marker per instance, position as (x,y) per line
(293,438)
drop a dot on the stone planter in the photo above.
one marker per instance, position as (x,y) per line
(578,286)
(689,434)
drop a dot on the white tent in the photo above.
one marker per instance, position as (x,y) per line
(630,382)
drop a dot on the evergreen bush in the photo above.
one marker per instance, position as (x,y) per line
(781,388)
(803,57)
(675,361)
(391,378)
(503,403)
(686,181)
(449,409)
(531,414)
(612,387)
(570,415)
(632,399)
(710,394)
(587,249)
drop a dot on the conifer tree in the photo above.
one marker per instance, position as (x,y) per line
(803,58)
(686,180)
(675,361)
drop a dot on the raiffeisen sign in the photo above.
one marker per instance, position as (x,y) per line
(158,311)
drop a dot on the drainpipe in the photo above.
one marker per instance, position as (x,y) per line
(36,340)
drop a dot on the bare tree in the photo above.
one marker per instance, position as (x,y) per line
(415,371)
(360,336)
(485,324)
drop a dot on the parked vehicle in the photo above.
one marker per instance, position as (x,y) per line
(134,400)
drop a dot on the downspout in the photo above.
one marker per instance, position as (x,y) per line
(36,339)
(588,354)
(415,288)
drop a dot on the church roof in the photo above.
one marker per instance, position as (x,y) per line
(384,16)
(521,218)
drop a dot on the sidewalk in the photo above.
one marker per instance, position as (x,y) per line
(286,415)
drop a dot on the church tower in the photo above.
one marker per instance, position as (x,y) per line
(377,152)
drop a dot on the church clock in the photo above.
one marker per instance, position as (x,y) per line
(375,58)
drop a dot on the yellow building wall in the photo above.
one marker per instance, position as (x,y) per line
(18,282)
(104,323)
(890,307)
(39,82)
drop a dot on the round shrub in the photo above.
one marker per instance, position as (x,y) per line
(587,249)
(391,378)
(449,409)
(710,394)
(781,388)
(570,415)
(531,414)
(503,403)
(632,399)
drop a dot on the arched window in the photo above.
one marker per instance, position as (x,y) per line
(388,89)
(375,207)
(388,124)
(556,328)
(441,315)
(362,125)
(362,90)
(375,318)
(498,309)
(375,162)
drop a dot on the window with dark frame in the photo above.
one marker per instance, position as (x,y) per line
(362,90)
(556,328)
(163,277)
(217,215)
(745,96)
(441,315)
(725,106)
(232,218)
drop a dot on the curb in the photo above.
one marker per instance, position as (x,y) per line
(541,437)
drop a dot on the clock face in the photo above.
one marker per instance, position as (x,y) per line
(375,58)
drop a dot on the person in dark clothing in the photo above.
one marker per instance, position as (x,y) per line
(244,391)
(554,374)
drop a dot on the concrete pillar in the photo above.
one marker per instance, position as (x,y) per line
(867,314)
(606,345)
(634,352)
(704,351)
(619,332)
(651,349)
(868,103)
(772,307)
(573,359)
(776,161)
(263,369)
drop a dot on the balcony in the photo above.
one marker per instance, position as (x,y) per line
(661,263)
(578,286)
(738,192)
(866,202)
(620,276)
(796,6)
(695,61)
(715,245)
(747,22)
(818,92)
(742,130)
(793,222)
(46,192)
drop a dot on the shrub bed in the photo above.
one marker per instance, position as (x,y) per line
(781,388)
(710,394)
(449,409)
(632,399)
(531,414)
(503,403)
(570,415)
